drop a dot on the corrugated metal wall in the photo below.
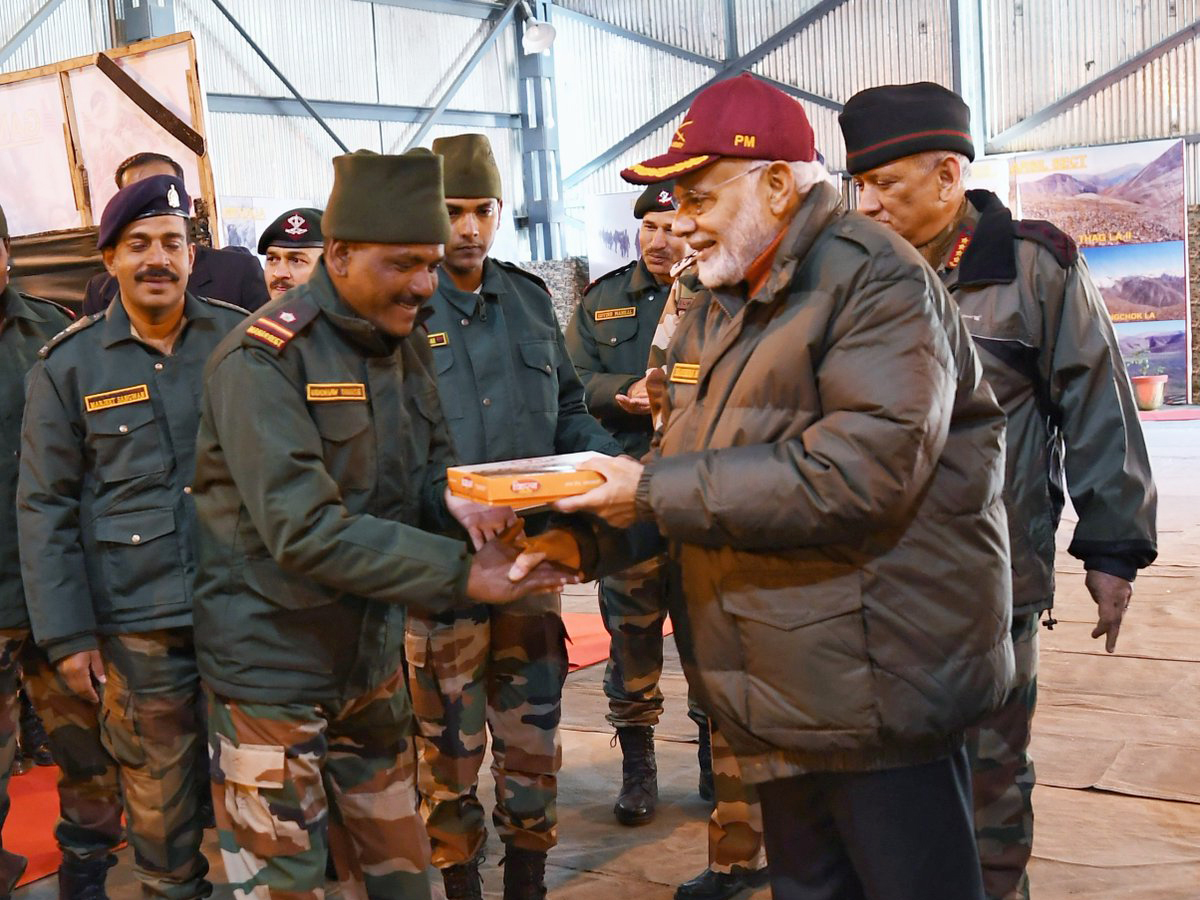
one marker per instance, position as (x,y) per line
(1035,51)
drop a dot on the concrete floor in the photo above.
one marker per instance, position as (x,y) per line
(596,857)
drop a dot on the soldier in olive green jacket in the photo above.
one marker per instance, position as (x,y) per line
(320,486)
(106,522)
(609,339)
(90,824)
(508,390)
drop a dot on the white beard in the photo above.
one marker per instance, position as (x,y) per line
(738,246)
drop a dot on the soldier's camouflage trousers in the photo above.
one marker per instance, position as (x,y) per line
(735,828)
(633,607)
(89,825)
(503,668)
(150,723)
(295,783)
(1002,776)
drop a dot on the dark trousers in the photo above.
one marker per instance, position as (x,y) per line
(899,834)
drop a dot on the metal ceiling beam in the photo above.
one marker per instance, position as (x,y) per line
(274,68)
(1109,78)
(731,34)
(499,21)
(742,63)
(35,22)
(367,112)
(473,9)
(562,12)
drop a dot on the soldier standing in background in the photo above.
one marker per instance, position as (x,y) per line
(609,339)
(1049,352)
(106,522)
(292,245)
(508,390)
(89,827)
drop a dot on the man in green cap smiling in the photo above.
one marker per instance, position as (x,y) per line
(509,391)
(320,487)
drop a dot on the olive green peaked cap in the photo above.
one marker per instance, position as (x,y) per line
(387,199)
(469,166)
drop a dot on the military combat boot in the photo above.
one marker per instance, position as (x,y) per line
(524,874)
(83,879)
(35,745)
(704,757)
(639,776)
(463,881)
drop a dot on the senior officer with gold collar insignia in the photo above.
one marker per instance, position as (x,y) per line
(106,521)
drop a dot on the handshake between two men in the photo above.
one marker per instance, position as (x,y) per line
(509,564)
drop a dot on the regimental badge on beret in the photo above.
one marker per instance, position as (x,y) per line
(299,227)
(158,195)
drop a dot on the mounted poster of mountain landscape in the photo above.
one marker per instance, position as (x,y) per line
(1125,207)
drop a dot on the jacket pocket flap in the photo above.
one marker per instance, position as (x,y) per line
(539,355)
(338,422)
(791,600)
(252,765)
(283,589)
(135,527)
(121,419)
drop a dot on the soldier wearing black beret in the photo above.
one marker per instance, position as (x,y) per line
(292,245)
(1049,351)
(107,526)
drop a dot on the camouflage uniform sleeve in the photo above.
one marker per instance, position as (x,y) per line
(1107,465)
(577,430)
(600,387)
(57,590)
(275,457)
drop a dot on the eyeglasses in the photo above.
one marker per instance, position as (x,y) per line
(697,203)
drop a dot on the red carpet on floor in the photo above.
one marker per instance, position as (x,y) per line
(1171,414)
(31,820)
(588,641)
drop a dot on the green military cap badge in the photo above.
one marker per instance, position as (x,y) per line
(380,199)
(469,167)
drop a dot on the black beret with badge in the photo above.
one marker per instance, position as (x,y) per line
(300,227)
(658,197)
(3,224)
(158,195)
(886,123)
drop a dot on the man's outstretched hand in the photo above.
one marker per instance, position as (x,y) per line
(489,580)
(482,522)
(556,546)
(612,501)
(1112,595)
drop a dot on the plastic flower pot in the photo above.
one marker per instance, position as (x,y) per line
(1148,390)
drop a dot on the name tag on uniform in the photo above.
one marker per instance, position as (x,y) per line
(139,393)
(332,393)
(625,312)
(685,373)
(265,336)
(439,339)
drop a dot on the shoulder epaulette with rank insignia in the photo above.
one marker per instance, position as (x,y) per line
(1049,236)
(74,328)
(213,301)
(65,310)
(607,275)
(517,270)
(278,327)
